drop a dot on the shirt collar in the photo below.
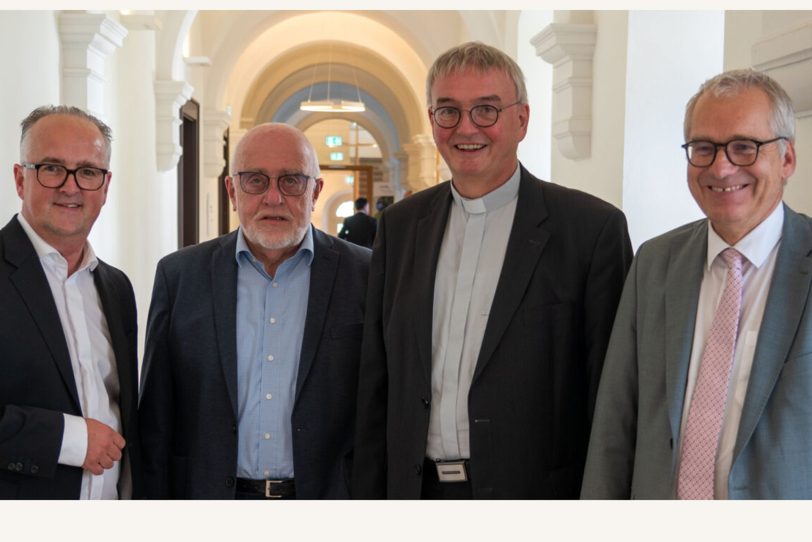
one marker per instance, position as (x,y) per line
(756,245)
(305,248)
(492,200)
(44,250)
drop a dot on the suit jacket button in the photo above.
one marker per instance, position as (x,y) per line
(234,429)
(19,467)
(230,481)
(11,467)
(418,469)
(34,469)
(426,402)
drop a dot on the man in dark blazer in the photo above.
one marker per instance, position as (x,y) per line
(360,228)
(754,440)
(253,343)
(68,364)
(493,399)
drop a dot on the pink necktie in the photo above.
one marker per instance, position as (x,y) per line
(701,440)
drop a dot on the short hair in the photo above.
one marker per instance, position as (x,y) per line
(732,83)
(480,57)
(360,203)
(48,110)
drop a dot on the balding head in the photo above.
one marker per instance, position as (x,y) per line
(274,222)
(272,135)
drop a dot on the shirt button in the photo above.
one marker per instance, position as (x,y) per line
(269,396)
(275,284)
(270,357)
(267,436)
(273,320)
(266,473)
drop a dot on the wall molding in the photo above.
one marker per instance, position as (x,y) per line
(570,49)
(86,41)
(215,124)
(786,56)
(169,97)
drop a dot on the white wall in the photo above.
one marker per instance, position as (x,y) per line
(534,151)
(30,70)
(670,54)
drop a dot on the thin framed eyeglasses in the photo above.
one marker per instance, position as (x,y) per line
(289,184)
(483,115)
(739,152)
(55,175)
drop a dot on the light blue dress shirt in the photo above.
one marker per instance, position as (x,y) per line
(271,315)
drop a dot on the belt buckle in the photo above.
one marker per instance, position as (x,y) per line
(268,485)
(451,471)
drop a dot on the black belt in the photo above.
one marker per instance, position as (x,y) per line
(270,489)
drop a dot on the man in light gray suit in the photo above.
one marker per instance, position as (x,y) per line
(706,391)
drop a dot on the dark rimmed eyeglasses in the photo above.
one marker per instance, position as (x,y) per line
(483,115)
(739,152)
(55,176)
(289,184)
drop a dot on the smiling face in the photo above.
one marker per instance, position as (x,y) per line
(737,199)
(62,216)
(274,224)
(480,159)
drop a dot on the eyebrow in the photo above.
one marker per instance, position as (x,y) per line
(491,98)
(60,162)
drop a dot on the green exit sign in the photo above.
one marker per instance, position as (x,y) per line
(336,156)
(333,141)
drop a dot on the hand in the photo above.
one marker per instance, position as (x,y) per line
(104,446)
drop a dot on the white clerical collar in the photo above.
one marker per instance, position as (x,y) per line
(492,200)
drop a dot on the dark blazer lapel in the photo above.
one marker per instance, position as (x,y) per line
(789,294)
(322,277)
(224,308)
(682,284)
(429,238)
(103,280)
(525,244)
(30,281)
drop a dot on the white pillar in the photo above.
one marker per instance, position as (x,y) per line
(86,40)
(422,156)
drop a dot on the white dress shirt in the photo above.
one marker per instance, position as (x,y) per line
(468,270)
(91,353)
(760,248)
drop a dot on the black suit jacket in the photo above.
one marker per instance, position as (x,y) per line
(360,229)
(188,408)
(37,384)
(533,390)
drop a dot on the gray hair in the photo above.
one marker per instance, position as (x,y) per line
(48,110)
(732,83)
(480,57)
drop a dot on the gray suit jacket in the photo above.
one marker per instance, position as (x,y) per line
(633,448)
(189,390)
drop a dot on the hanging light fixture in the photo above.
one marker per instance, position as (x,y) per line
(332,105)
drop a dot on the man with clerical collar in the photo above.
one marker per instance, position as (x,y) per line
(490,305)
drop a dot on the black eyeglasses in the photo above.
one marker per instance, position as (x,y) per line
(55,176)
(483,115)
(289,184)
(739,152)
